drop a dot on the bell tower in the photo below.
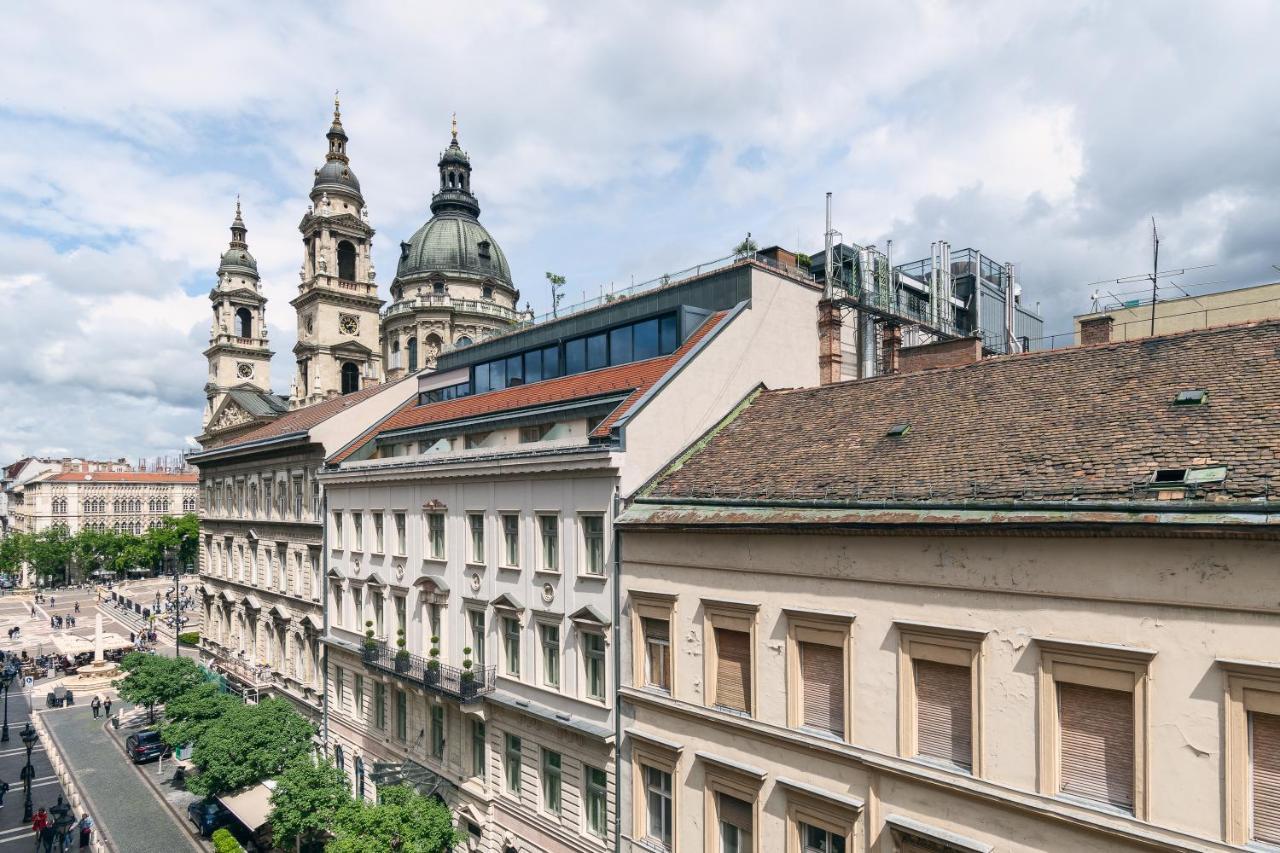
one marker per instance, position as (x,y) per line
(338,349)
(238,353)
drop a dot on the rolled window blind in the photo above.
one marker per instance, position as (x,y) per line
(733,669)
(822,674)
(944,712)
(1264,754)
(1096,744)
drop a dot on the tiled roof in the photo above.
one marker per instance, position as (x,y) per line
(124,477)
(1087,423)
(259,403)
(307,417)
(636,378)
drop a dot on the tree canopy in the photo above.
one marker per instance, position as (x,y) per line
(248,743)
(155,680)
(306,802)
(403,820)
(55,553)
(188,716)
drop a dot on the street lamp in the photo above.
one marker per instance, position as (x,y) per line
(62,820)
(29,738)
(6,679)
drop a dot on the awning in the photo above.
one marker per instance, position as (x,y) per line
(69,644)
(251,806)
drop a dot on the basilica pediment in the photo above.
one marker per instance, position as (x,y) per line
(229,415)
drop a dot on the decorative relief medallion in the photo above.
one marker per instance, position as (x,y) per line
(475,581)
(548,593)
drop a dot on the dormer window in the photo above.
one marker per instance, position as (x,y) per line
(437,287)
(487,292)
(483,249)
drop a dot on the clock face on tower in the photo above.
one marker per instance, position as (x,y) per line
(349,324)
(245,370)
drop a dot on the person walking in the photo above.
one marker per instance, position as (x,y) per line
(4,789)
(77,607)
(47,837)
(39,822)
(96,705)
(86,831)
(106,704)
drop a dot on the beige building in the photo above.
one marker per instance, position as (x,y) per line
(1024,604)
(120,501)
(1133,320)
(481,515)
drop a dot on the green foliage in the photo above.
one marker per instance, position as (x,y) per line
(225,842)
(189,638)
(746,247)
(307,799)
(189,716)
(803,261)
(153,679)
(56,555)
(246,744)
(403,820)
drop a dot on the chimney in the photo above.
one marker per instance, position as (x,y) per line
(890,347)
(829,356)
(951,353)
(1096,330)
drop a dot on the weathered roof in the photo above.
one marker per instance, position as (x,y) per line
(258,403)
(634,379)
(1089,423)
(451,243)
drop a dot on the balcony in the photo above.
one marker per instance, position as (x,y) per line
(445,680)
(443,301)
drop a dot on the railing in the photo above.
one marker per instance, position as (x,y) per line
(254,675)
(440,300)
(463,685)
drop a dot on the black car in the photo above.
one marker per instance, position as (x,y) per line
(208,816)
(144,746)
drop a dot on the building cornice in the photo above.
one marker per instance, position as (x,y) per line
(588,458)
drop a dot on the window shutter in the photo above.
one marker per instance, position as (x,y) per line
(944,712)
(822,672)
(733,669)
(1097,743)
(1264,750)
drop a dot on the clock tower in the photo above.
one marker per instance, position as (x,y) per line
(338,348)
(238,354)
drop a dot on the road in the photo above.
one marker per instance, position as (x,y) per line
(15,833)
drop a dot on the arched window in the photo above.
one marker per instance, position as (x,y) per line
(338,761)
(350,377)
(413,354)
(463,341)
(346,261)
(395,353)
(244,323)
(487,292)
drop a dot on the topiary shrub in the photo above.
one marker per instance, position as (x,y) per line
(189,638)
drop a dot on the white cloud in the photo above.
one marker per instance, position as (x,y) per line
(609,141)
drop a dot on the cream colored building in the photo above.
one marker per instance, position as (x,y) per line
(482,515)
(1025,604)
(1242,305)
(120,501)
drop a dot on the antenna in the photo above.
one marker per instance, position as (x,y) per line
(1155,272)
(827,287)
(1154,277)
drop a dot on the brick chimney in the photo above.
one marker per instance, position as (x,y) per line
(1096,330)
(940,354)
(890,347)
(829,356)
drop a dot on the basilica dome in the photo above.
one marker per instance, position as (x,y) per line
(336,175)
(453,243)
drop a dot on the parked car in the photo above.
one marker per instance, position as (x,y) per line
(146,745)
(208,815)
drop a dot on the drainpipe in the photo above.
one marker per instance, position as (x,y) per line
(324,597)
(617,677)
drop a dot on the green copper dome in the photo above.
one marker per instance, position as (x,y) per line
(453,243)
(237,258)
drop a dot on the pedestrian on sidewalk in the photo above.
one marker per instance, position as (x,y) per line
(96,705)
(4,789)
(68,839)
(77,607)
(107,705)
(38,823)
(86,831)
(47,836)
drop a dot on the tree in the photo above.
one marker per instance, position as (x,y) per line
(247,744)
(403,820)
(50,551)
(189,716)
(746,247)
(306,801)
(13,552)
(154,680)
(557,291)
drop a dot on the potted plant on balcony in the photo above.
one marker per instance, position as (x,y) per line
(468,678)
(402,654)
(370,644)
(433,663)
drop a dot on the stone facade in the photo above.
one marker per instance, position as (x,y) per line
(128,502)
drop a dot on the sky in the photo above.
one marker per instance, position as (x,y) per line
(611,143)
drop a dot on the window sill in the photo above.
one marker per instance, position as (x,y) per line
(587,576)
(508,568)
(555,572)
(471,564)
(439,561)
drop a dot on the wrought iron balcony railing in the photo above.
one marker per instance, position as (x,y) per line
(460,684)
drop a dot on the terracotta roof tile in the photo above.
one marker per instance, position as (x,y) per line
(1085,423)
(124,477)
(637,378)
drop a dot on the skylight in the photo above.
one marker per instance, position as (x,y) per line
(898,430)
(1191,398)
